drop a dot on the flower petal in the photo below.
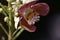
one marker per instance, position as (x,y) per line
(25,7)
(41,8)
(23,21)
(16,20)
(26,26)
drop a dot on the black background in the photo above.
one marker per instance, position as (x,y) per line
(43,26)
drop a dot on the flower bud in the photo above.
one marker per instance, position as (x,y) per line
(1,9)
(5,19)
(9,8)
(16,14)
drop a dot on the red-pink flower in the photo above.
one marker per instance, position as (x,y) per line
(29,13)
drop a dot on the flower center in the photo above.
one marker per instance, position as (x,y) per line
(29,14)
(31,17)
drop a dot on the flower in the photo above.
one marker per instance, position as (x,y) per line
(29,13)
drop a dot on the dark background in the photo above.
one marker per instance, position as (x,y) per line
(46,25)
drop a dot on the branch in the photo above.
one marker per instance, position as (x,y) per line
(18,33)
(4,9)
(3,29)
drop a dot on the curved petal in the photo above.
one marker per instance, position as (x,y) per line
(41,8)
(26,26)
(23,21)
(25,7)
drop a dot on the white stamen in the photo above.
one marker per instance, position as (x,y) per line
(34,19)
(33,22)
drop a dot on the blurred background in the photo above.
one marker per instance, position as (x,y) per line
(48,28)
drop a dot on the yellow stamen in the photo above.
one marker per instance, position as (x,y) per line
(38,16)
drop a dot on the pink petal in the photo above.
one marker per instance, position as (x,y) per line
(26,26)
(26,6)
(41,8)
(23,21)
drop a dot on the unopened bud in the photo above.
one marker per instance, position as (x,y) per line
(1,9)
(5,19)
(9,8)
(16,14)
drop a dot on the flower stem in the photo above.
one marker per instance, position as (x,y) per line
(3,29)
(10,35)
(4,9)
(18,33)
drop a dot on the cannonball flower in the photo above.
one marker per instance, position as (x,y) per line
(29,13)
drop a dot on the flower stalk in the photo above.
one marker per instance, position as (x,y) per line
(20,31)
(4,29)
(4,10)
(9,36)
